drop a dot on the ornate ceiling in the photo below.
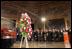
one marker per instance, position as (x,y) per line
(36,9)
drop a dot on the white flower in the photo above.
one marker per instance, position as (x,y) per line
(26,14)
(29,36)
(28,22)
(24,28)
(28,33)
(25,19)
(31,32)
(21,19)
(29,29)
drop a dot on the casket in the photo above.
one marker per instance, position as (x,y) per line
(7,37)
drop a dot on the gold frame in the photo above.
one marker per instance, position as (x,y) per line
(14,19)
(65,19)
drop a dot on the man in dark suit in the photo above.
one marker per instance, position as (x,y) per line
(62,38)
(32,37)
(36,36)
(43,34)
(18,34)
(57,36)
(49,35)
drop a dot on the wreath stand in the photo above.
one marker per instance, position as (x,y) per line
(25,42)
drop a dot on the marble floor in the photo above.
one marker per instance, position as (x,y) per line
(40,45)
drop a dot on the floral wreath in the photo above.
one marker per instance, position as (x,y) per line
(25,23)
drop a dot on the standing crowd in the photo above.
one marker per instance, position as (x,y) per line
(50,35)
(54,35)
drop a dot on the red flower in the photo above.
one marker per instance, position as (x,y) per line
(28,19)
(22,30)
(20,17)
(29,32)
(26,29)
(31,29)
(24,16)
(29,24)
(25,23)
(29,38)
(23,20)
